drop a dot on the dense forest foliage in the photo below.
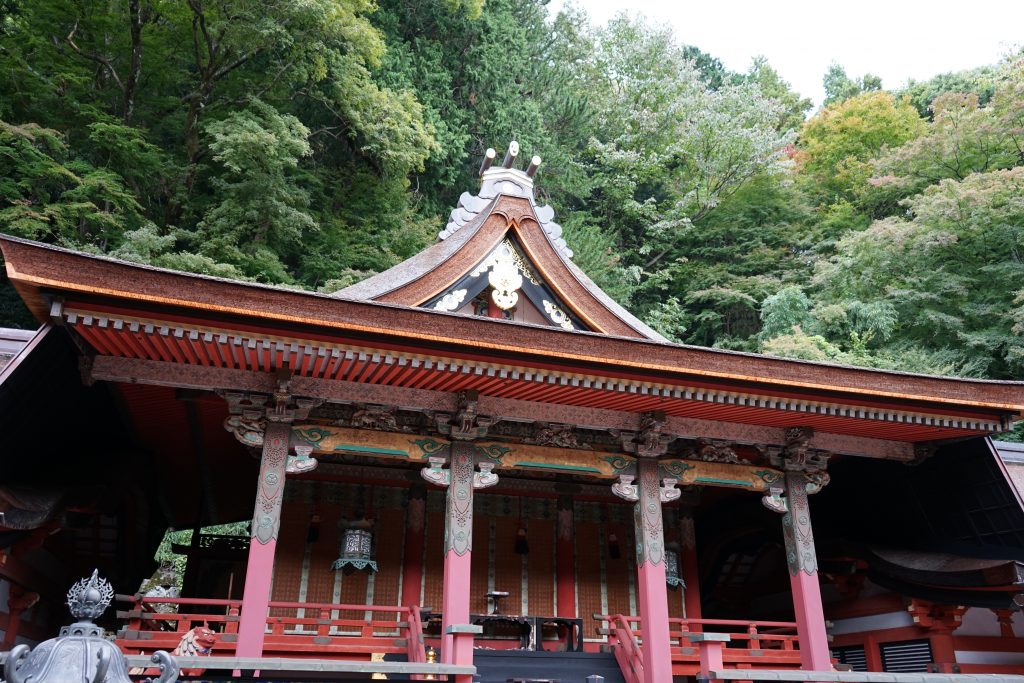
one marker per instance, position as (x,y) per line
(313,142)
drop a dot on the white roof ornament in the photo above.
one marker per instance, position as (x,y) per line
(505,279)
(511,154)
(504,179)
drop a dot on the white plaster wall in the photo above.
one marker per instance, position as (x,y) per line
(978,621)
(977,657)
(875,622)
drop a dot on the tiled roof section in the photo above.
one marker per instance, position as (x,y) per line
(1012,455)
(11,343)
(1011,452)
(612,305)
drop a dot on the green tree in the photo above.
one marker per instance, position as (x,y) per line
(839,87)
(794,108)
(980,82)
(262,213)
(839,141)
(47,194)
(941,275)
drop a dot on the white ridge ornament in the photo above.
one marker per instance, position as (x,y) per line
(505,279)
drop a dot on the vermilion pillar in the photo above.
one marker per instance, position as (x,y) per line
(266,523)
(412,570)
(456,631)
(691,571)
(652,592)
(803,574)
(18,600)
(943,651)
(565,560)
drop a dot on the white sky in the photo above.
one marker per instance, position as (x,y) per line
(894,39)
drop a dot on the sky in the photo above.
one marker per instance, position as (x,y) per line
(895,39)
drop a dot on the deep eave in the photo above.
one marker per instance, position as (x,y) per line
(44,273)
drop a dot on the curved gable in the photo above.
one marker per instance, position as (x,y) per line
(503,216)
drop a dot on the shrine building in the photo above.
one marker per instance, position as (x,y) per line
(477,465)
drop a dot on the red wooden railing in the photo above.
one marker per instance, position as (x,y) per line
(322,630)
(625,647)
(753,644)
(416,651)
(748,635)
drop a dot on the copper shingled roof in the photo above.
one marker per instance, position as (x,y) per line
(132,311)
(504,206)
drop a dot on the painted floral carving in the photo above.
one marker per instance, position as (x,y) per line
(647,517)
(380,418)
(266,521)
(559,435)
(796,527)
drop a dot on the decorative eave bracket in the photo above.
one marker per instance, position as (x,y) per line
(249,414)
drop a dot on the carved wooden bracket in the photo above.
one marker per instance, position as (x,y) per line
(466,424)
(798,457)
(649,442)
(249,415)
(279,407)
(936,617)
(775,500)
(625,489)
(436,474)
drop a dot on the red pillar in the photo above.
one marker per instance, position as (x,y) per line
(872,653)
(412,570)
(710,651)
(266,523)
(565,560)
(652,591)
(691,571)
(460,478)
(803,576)
(943,651)
(18,600)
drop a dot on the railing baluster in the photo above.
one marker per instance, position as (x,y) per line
(323,626)
(753,643)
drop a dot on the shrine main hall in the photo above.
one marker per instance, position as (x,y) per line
(478,464)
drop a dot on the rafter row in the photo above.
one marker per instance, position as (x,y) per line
(181,343)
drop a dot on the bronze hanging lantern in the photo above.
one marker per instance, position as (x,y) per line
(357,547)
(80,653)
(672,566)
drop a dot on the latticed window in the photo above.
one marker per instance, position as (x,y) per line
(906,656)
(853,656)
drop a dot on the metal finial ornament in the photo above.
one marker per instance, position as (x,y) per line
(89,598)
(80,654)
